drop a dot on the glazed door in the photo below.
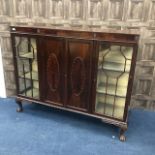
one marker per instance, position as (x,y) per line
(113,76)
(51,66)
(79,54)
(26,65)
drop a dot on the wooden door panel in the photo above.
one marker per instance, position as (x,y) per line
(79,73)
(52,72)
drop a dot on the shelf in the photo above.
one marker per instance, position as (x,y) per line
(28,93)
(121,91)
(115,55)
(28,75)
(118,101)
(29,55)
(115,58)
(118,110)
(102,73)
(112,78)
(115,67)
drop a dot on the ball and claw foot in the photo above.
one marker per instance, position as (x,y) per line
(20,107)
(122,137)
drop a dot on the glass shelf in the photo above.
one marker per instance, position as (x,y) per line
(29,55)
(116,51)
(120,91)
(112,78)
(119,55)
(114,65)
(103,98)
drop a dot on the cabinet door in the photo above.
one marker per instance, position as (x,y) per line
(25,54)
(51,66)
(79,73)
(113,76)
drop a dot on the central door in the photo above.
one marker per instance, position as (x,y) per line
(79,55)
(65,72)
(51,64)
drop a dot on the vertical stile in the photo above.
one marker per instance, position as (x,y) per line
(24,79)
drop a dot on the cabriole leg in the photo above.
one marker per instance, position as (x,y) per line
(122,136)
(20,107)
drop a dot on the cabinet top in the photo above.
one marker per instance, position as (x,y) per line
(126,36)
(101,30)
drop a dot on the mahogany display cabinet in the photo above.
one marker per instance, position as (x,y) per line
(82,71)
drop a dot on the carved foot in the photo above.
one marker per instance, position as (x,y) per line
(122,136)
(20,107)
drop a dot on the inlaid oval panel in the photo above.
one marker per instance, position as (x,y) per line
(53,73)
(78,76)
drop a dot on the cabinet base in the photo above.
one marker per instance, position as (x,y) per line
(120,124)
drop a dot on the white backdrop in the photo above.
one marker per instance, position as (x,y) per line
(2,83)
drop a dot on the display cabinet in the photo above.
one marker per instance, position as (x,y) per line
(87,72)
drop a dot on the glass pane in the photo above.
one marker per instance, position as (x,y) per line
(114,65)
(26,56)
